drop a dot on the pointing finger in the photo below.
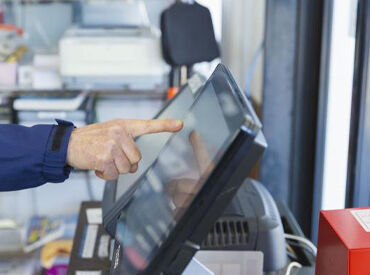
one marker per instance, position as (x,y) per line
(143,127)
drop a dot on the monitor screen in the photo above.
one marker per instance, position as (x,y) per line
(151,145)
(117,193)
(169,186)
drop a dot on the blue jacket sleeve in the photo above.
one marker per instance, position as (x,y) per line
(29,157)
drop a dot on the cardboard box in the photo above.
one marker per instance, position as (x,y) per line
(344,242)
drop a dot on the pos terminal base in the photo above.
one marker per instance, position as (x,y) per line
(92,247)
(246,233)
(202,260)
(226,262)
(196,267)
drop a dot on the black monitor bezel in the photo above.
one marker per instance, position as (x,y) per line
(206,207)
(214,196)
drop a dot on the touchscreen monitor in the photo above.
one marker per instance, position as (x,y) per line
(219,123)
(116,193)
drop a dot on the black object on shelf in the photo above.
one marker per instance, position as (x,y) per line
(188,35)
(187,38)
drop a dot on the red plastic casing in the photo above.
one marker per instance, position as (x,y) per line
(343,244)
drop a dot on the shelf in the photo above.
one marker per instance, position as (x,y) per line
(15,2)
(17,91)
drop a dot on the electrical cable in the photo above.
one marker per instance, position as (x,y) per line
(302,240)
(291,256)
(303,246)
(291,266)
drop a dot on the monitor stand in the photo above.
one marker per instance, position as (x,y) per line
(196,267)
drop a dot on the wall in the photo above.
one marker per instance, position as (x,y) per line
(242,35)
(341,68)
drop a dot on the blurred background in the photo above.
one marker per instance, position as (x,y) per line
(304,65)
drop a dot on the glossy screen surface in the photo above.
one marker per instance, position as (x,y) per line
(170,184)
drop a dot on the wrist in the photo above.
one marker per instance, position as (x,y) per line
(70,149)
(56,168)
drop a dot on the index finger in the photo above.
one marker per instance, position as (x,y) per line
(139,127)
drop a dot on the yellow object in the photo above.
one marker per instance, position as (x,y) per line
(33,236)
(17,55)
(53,250)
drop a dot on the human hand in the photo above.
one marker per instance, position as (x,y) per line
(109,147)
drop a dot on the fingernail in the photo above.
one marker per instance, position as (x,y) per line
(178,123)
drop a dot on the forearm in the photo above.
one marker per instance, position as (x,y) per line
(32,156)
(26,159)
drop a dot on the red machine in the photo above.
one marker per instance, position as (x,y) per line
(344,242)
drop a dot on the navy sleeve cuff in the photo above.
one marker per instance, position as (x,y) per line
(55,167)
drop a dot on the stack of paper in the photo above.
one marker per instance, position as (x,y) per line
(33,110)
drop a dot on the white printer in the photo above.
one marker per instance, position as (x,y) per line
(120,58)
